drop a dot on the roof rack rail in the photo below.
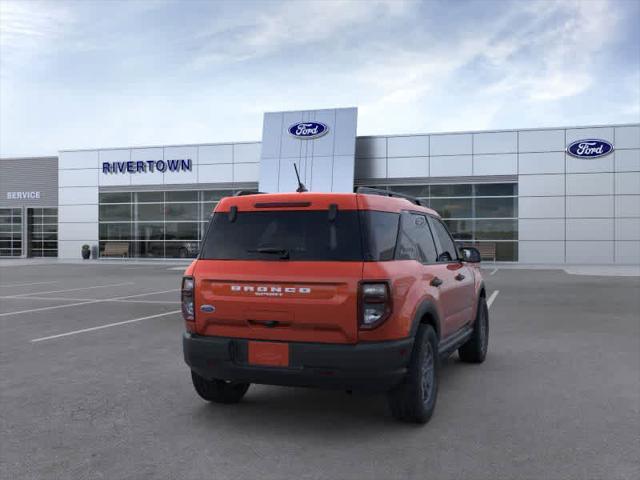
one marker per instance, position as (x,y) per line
(389,193)
(242,193)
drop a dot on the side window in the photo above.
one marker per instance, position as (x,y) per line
(415,241)
(447,249)
(380,232)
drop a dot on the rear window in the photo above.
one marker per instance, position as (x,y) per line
(304,235)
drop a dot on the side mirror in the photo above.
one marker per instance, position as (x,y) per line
(470,254)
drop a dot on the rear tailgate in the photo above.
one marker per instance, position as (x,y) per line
(278,300)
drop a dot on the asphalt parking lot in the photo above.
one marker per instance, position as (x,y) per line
(558,397)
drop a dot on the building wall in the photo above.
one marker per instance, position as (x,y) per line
(326,163)
(570,210)
(29,175)
(80,179)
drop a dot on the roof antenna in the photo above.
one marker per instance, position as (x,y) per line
(301,188)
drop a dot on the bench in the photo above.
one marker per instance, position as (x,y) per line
(487,249)
(116,250)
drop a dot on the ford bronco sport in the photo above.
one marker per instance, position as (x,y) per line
(352,291)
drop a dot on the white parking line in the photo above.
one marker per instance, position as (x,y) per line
(84,330)
(493,272)
(41,309)
(150,293)
(492,297)
(67,299)
(75,289)
(87,302)
(25,284)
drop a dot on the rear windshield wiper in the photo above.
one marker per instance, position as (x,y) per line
(284,253)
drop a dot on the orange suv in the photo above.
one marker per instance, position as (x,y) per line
(356,291)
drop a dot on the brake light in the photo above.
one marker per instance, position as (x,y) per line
(375,304)
(187,299)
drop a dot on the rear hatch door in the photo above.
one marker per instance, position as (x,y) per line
(283,270)
(286,301)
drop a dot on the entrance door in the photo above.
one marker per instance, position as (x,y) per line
(10,232)
(42,232)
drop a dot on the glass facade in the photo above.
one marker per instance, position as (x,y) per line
(483,215)
(42,228)
(167,224)
(10,232)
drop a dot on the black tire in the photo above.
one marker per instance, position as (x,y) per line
(475,349)
(219,391)
(415,399)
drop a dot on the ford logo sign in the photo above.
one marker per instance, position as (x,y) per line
(590,148)
(308,130)
(208,308)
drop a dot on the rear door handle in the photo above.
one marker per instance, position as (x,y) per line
(459,277)
(435,282)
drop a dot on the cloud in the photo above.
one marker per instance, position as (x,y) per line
(28,27)
(116,73)
(287,25)
(527,53)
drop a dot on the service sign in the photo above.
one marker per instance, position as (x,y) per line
(589,148)
(23,195)
(308,130)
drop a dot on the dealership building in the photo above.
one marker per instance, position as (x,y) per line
(544,195)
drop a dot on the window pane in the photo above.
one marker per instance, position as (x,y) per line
(381,230)
(207,210)
(452,207)
(413,190)
(50,211)
(181,211)
(460,229)
(119,197)
(147,212)
(115,231)
(496,207)
(115,212)
(181,196)
(447,250)
(215,195)
(148,249)
(451,190)
(181,231)
(150,197)
(496,229)
(415,241)
(149,231)
(181,249)
(304,235)
(496,189)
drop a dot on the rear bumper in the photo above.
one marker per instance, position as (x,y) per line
(372,366)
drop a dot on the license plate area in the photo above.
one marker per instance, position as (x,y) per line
(268,354)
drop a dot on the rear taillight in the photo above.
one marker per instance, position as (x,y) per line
(375,304)
(187,299)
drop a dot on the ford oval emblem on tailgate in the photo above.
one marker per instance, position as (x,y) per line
(207,308)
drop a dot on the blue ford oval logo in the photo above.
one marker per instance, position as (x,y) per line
(207,308)
(308,130)
(590,148)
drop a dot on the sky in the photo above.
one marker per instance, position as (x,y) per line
(84,74)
